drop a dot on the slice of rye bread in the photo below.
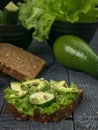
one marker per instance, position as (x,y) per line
(62,113)
(19,63)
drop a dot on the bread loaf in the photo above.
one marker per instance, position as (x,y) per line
(19,63)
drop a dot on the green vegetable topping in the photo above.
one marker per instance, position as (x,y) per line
(41,98)
(41,14)
(46,96)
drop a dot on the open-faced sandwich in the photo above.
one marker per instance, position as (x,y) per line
(42,100)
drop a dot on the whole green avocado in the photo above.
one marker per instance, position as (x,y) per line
(74,53)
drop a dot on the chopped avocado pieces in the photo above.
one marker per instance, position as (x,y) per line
(39,84)
(46,96)
(62,87)
(42,98)
(16,86)
(10,13)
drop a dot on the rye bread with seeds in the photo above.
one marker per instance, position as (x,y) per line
(19,63)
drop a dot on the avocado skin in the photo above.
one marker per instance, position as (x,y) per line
(75,53)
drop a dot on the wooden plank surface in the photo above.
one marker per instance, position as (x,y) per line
(3,84)
(86,114)
(28,125)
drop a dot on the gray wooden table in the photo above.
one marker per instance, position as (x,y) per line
(85,116)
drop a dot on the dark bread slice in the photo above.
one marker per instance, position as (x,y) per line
(63,112)
(19,63)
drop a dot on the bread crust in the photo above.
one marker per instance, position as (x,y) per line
(19,63)
(62,113)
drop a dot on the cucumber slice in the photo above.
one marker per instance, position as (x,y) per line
(11,13)
(42,98)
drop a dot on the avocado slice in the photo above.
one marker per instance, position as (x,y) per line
(17,87)
(41,98)
(39,84)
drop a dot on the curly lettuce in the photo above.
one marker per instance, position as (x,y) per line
(41,14)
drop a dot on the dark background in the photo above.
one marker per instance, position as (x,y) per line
(5,2)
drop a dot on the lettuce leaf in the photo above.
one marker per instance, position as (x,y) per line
(41,14)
